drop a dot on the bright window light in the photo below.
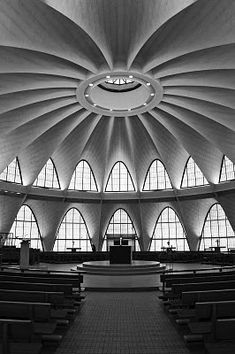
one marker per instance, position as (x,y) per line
(217,230)
(119,179)
(83,178)
(168,228)
(72,233)
(227,170)
(47,178)
(193,176)
(12,172)
(157,177)
(25,227)
(120,225)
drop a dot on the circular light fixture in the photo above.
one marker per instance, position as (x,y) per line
(119,93)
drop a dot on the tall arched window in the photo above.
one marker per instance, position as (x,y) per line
(227,170)
(47,177)
(120,228)
(72,233)
(217,230)
(168,228)
(192,176)
(83,178)
(25,227)
(157,177)
(119,179)
(12,172)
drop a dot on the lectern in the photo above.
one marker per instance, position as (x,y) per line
(120,255)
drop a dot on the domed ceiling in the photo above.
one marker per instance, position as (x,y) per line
(60,62)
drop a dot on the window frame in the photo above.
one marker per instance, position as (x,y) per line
(194,186)
(128,174)
(165,173)
(132,223)
(211,238)
(169,239)
(65,239)
(27,221)
(91,173)
(221,168)
(54,174)
(17,164)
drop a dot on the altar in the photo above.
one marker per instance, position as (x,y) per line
(120,254)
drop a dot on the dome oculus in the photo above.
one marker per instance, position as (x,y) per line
(119,94)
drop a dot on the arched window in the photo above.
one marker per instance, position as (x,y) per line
(192,176)
(168,228)
(157,177)
(119,179)
(12,172)
(119,230)
(227,170)
(47,177)
(25,227)
(83,178)
(72,233)
(217,230)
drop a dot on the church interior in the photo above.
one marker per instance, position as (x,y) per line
(117,176)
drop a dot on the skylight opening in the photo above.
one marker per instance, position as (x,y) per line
(119,81)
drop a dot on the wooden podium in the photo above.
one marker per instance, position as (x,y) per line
(120,255)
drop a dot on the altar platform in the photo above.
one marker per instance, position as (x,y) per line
(139,275)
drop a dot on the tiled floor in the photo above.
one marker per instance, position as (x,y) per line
(122,323)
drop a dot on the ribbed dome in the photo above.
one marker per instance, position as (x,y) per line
(49,48)
(50,51)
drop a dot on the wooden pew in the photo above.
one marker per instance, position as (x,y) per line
(55,298)
(207,313)
(195,274)
(214,278)
(189,298)
(38,279)
(76,278)
(18,331)
(177,289)
(65,288)
(38,313)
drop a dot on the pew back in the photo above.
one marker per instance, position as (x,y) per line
(214,310)
(189,298)
(55,298)
(65,288)
(35,311)
(179,288)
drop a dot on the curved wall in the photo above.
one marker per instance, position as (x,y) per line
(49,207)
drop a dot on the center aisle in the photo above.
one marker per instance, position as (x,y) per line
(122,323)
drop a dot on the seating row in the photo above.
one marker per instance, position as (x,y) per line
(205,306)
(34,309)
